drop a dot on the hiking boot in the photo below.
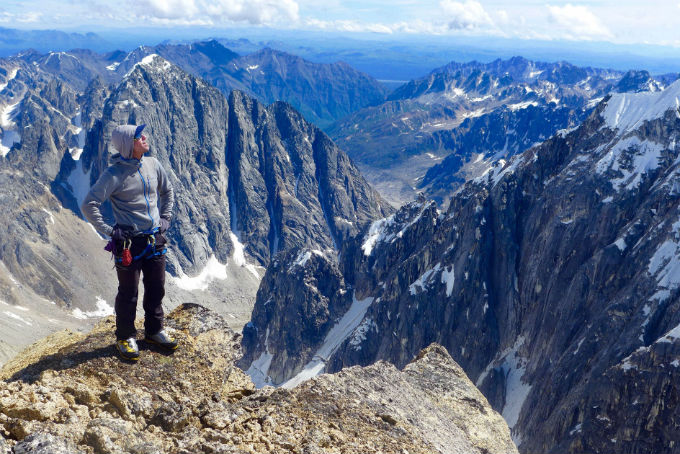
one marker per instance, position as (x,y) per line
(127,349)
(161,338)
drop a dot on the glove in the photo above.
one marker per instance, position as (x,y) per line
(165,225)
(120,234)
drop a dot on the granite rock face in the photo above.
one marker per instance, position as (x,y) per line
(79,397)
(250,181)
(552,280)
(238,166)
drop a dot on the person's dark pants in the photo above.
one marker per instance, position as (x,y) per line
(152,270)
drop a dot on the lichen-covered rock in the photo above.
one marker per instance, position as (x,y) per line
(44,443)
(83,398)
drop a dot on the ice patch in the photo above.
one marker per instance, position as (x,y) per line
(113,66)
(335,337)
(213,270)
(359,334)
(103,310)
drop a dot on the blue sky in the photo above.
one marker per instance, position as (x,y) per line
(617,21)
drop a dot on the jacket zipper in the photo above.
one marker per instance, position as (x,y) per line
(148,207)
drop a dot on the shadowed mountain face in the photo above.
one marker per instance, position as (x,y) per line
(552,280)
(323,93)
(435,133)
(250,181)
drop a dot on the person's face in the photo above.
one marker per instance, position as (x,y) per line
(140,147)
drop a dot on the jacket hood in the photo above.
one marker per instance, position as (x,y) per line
(122,139)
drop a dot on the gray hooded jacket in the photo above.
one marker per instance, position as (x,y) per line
(139,190)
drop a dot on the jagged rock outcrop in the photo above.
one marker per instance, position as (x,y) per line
(79,397)
(552,280)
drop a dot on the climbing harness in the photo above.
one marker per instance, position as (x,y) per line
(149,251)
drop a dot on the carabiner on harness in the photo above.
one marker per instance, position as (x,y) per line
(126,256)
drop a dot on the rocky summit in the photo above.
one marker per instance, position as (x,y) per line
(70,393)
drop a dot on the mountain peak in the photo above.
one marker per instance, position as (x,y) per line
(82,397)
(627,111)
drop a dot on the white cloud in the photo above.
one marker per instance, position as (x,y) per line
(26,18)
(348,26)
(465,16)
(577,22)
(216,12)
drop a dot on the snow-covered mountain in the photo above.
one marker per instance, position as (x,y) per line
(553,280)
(435,133)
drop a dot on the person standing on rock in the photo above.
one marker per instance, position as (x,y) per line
(142,199)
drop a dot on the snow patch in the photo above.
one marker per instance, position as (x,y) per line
(516,391)
(448,279)
(632,158)
(10,135)
(621,244)
(627,111)
(304,256)
(79,181)
(335,337)
(665,266)
(103,310)
(259,369)
(239,256)
(522,105)
(213,270)
(19,318)
(421,284)
(12,74)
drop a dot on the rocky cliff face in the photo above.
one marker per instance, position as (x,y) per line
(250,181)
(238,166)
(72,394)
(552,280)
(435,133)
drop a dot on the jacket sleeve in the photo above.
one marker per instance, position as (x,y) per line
(166,195)
(90,207)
